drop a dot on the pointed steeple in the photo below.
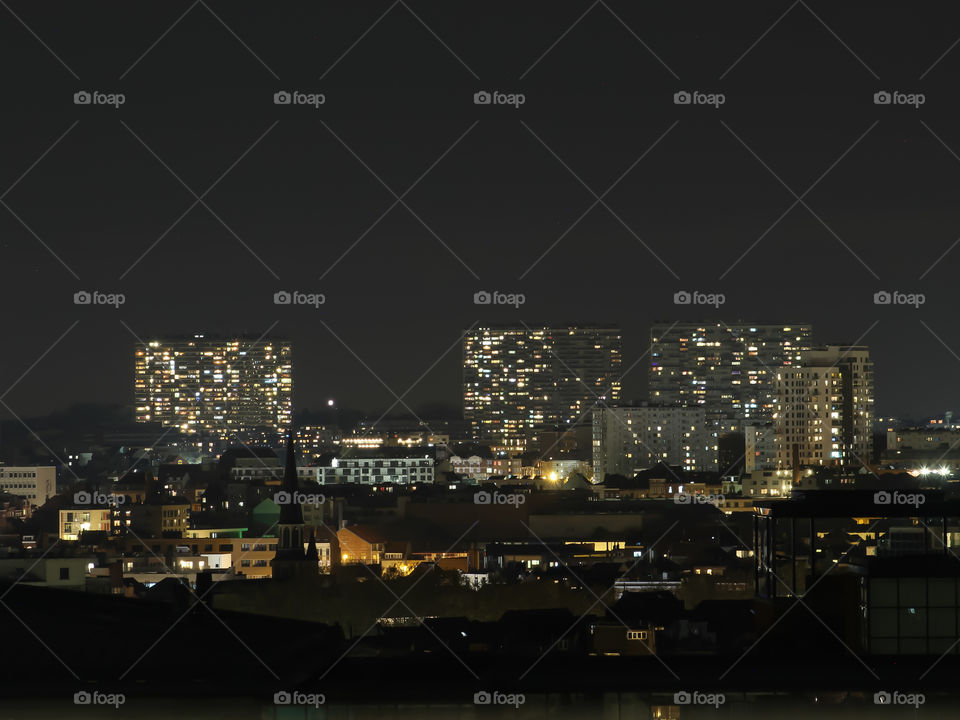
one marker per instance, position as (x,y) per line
(312,554)
(290,511)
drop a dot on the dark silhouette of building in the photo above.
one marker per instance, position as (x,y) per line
(291,561)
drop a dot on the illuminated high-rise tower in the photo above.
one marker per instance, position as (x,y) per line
(728,368)
(516,378)
(824,410)
(214,387)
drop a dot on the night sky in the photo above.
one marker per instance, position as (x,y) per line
(502,185)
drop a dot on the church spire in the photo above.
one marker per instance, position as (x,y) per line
(312,554)
(290,511)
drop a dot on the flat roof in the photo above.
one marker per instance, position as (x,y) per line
(910,502)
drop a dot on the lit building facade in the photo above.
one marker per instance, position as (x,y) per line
(481,468)
(631,438)
(214,387)
(727,368)
(35,483)
(518,378)
(75,521)
(760,447)
(373,470)
(824,411)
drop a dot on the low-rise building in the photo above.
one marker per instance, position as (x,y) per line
(46,571)
(75,521)
(36,483)
(361,544)
(160,515)
(481,468)
(375,469)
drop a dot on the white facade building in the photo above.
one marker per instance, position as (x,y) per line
(376,470)
(35,483)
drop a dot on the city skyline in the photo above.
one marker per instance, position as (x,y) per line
(450,402)
(101,186)
(410,358)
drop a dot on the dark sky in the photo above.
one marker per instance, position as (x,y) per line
(399,99)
